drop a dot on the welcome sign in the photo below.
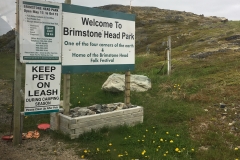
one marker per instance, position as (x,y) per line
(96,40)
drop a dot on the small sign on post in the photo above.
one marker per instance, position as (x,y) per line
(42,88)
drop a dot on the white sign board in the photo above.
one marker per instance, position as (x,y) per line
(42,88)
(40,31)
(96,38)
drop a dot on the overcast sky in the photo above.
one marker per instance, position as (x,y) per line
(221,8)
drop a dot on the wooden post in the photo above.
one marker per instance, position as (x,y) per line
(169,55)
(17,137)
(127,88)
(66,87)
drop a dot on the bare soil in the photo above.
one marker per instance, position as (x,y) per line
(43,148)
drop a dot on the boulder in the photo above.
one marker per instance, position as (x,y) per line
(116,83)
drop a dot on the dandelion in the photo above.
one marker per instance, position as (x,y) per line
(157,149)
(125,138)
(171,141)
(176,149)
(153,142)
(98,149)
(153,127)
(236,148)
(129,136)
(193,149)
(138,140)
(110,144)
(177,135)
(161,140)
(159,146)
(164,154)
(144,136)
(120,155)
(85,151)
(142,140)
(82,156)
(146,130)
(108,150)
(167,132)
(143,152)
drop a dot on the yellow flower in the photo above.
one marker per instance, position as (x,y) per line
(171,141)
(153,127)
(129,136)
(177,135)
(120,155)
(82,156)
(167,132)
(164,154)
(157,149)
(138,140)
(161,140)
(108,150)
(110,144)
(146,130)
(159,146)
(236,148)
(125,138)
(153,141)
(144,136)
(166,151)
(176,149)
(142,140)
(143,152)
(192,149)
(98,149)
(85,151)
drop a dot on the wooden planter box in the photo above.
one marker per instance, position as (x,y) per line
(78,125)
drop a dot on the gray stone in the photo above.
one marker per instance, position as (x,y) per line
(83,111)
(98,108)
(95,107)
(116,83)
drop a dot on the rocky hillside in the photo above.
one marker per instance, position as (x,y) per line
(191,34)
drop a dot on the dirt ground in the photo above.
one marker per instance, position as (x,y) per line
(43,148)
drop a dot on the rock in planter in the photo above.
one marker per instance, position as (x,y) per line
(116,83)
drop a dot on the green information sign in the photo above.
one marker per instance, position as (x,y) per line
(49,31)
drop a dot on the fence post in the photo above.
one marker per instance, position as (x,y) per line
(169,55)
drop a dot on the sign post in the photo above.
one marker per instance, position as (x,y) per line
(17,85)
(66,86)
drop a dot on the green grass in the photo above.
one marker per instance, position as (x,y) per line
(7,66)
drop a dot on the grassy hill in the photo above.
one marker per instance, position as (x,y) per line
(182,112)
